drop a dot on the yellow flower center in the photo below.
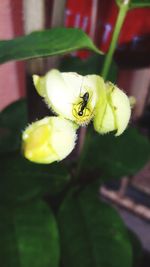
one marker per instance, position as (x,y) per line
(82,110)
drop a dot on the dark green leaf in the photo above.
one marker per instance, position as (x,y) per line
(139,3)
(113,71)
(45,43)
(10,140)
(15,115)
(92,65)
(22,180)
(134,3)
(13,120)
(28,236)
(92,233)
(115,156)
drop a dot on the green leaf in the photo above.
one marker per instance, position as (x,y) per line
(115,156)
(56,41)
(82,66)
(13,120)
(92,233)
(92,65)
(22,180)
(14,115)
(28,236)
(139,3)
(134,3)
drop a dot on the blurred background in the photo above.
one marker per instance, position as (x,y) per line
(132,58)
(97,19)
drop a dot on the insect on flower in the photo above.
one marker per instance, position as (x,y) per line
(85,98)
(81,109)
(77,94)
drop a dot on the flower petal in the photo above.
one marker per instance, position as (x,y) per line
(65,94)
(48,140)
(112,111)
(101,108)
(122,109)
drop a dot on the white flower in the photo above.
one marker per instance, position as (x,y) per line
(82,98)
(48,140)
(113,110)
(70,95)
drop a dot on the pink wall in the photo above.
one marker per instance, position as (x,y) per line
(12,75)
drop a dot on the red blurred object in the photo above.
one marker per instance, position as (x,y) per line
(135,33)
(136,25)
(78,15)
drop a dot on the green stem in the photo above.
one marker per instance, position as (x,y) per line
(120,19)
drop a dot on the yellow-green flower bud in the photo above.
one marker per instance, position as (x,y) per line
(48,140)
(113,110)
(70,95)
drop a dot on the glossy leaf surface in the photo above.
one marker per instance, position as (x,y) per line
(115,156)
(28,236)
(22,180)
(13,120)
(92,233)
(52,42)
